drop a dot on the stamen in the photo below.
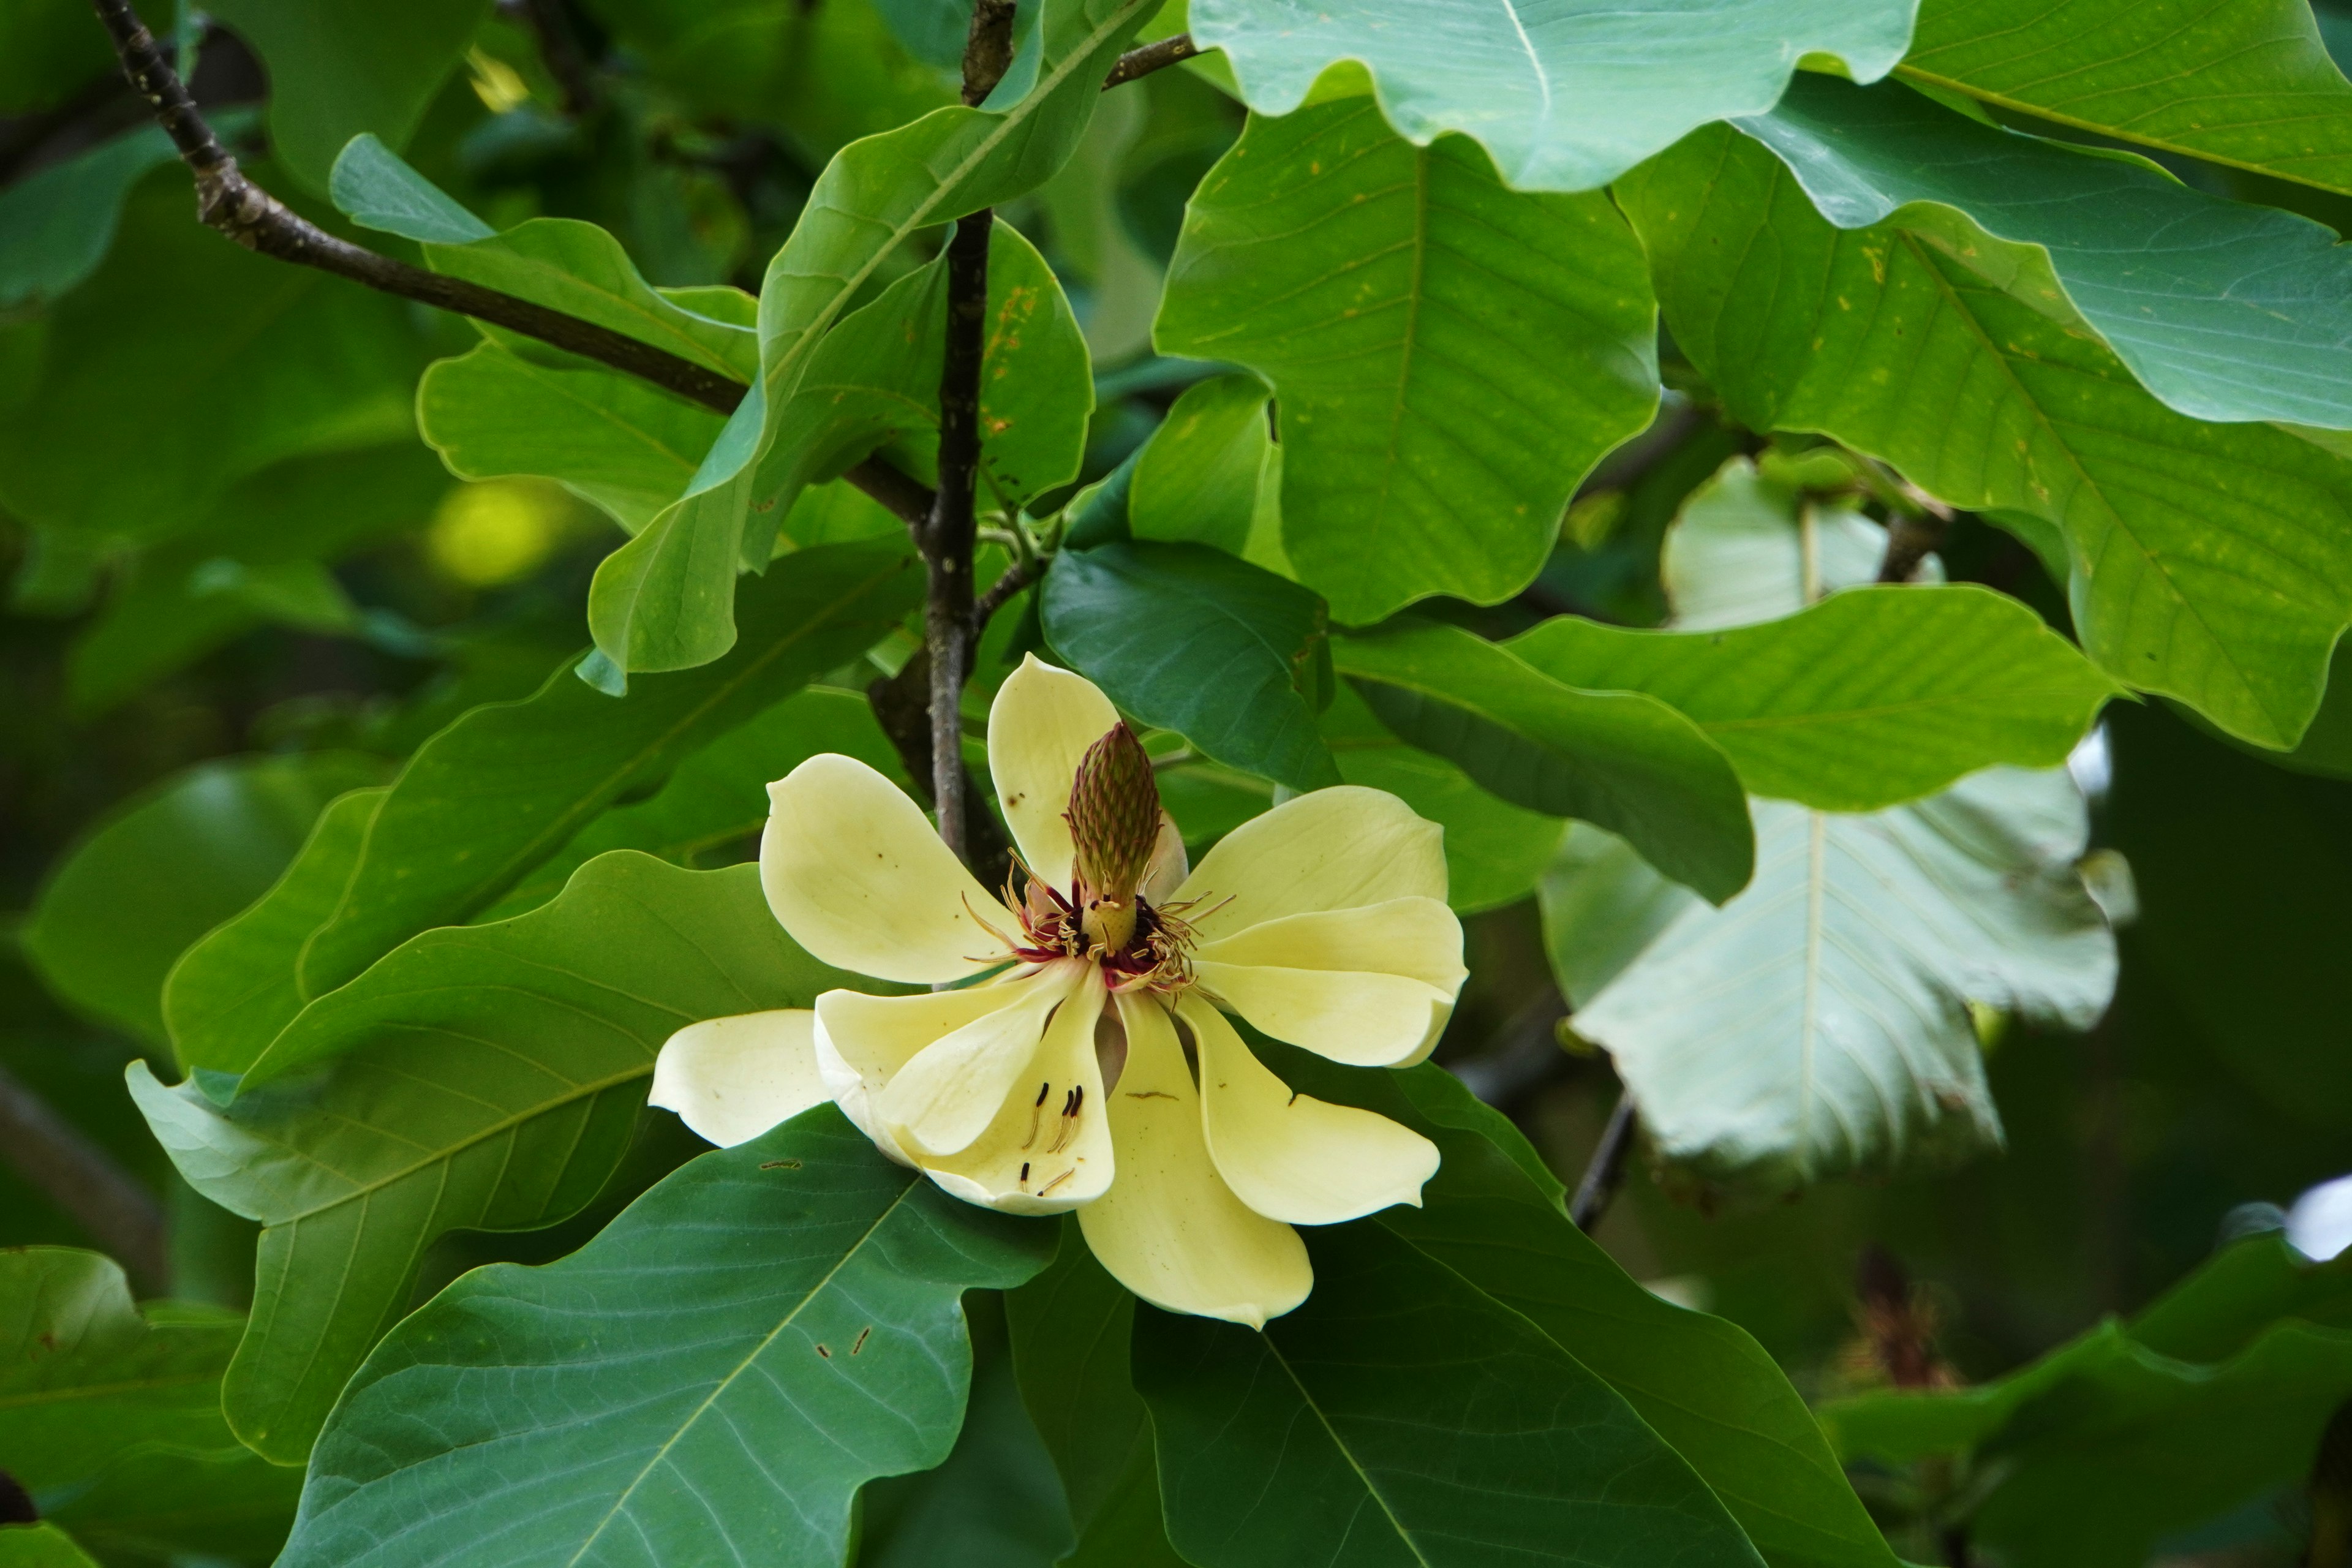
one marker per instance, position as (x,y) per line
(1070,1105)
(1036,1114)
(1057,1180)
(1024,1175)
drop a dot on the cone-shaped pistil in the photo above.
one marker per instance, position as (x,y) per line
(1114,824)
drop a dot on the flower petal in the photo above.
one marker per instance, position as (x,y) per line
(855,875)
(1370,986)
(1333,849)
(1034,1158)
(1292,1157)
(1169,1229)
(731,1079)
(862,1042)
(950,1092)
(1168,869)
(1041,725)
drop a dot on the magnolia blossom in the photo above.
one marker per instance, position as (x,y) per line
(1076,1054)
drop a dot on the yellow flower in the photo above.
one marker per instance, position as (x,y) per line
(1093,1068)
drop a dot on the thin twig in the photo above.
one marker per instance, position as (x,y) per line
(1607,1169)
(1150,57)
(84,1182)
(1017,576)
(946,537)
(228,201)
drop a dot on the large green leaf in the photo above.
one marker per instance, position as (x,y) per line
(1869,698)
(190,854)
(480,1077)
(664,600)
(2225,312)
(2094,1451)
(110,1416)
(625,445)
(656,602)
(336,71)
(715,804)
(1403,1416)
(1494,851)
(506,785)
(239,361)
(57,224)
(1448,356)
(40,1546)
(1819,1023)
(1565,96)
(1192,639)
(1494,1214)
(2248,83)
(1620,759)
(2213,563)
(996,1501)
(1200,478)
(711,1379)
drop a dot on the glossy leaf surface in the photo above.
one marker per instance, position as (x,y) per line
(1448,356)
(733,1335)
(484,1077)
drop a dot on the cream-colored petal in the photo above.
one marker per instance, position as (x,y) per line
(1332,850)
(1292,1157)
(855,873)
(1042,722)
(731,1079)
(1416,937)
(851,1092)
(1370,986)
(1034,1158)
(1168,868)
(950,1090)
(1169,1229)
(1363,1020)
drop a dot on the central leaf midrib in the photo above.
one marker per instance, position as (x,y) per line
(740,1367)
(1372,1488)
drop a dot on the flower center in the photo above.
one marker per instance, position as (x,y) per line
(1115,831)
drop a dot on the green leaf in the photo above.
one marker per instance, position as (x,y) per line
(479,1078)
(1402,1415)
(239,361)
(40,1546)
(1448,357)
(2211,562)
(1191,639)
(993,1503)
(57,224)
(1870,698)
(1494,1214)
(256,557)
(501,789)
(664,600)
(1494,851)
(2106,1444)
(791,1329)
(2225,312)
(619,442)
(110,1416)
(1070,1327)
(375,189)
(1565,97)
(661,601)
(2247,84)
(1200,477)
(187,856)
(718,798)
(1620,759)
(337,72)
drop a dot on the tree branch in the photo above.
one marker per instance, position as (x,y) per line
(902,706)
(1150,57)
(80,1178)
(947,535)
(226,200)
(1017,576)
(1607,1169)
